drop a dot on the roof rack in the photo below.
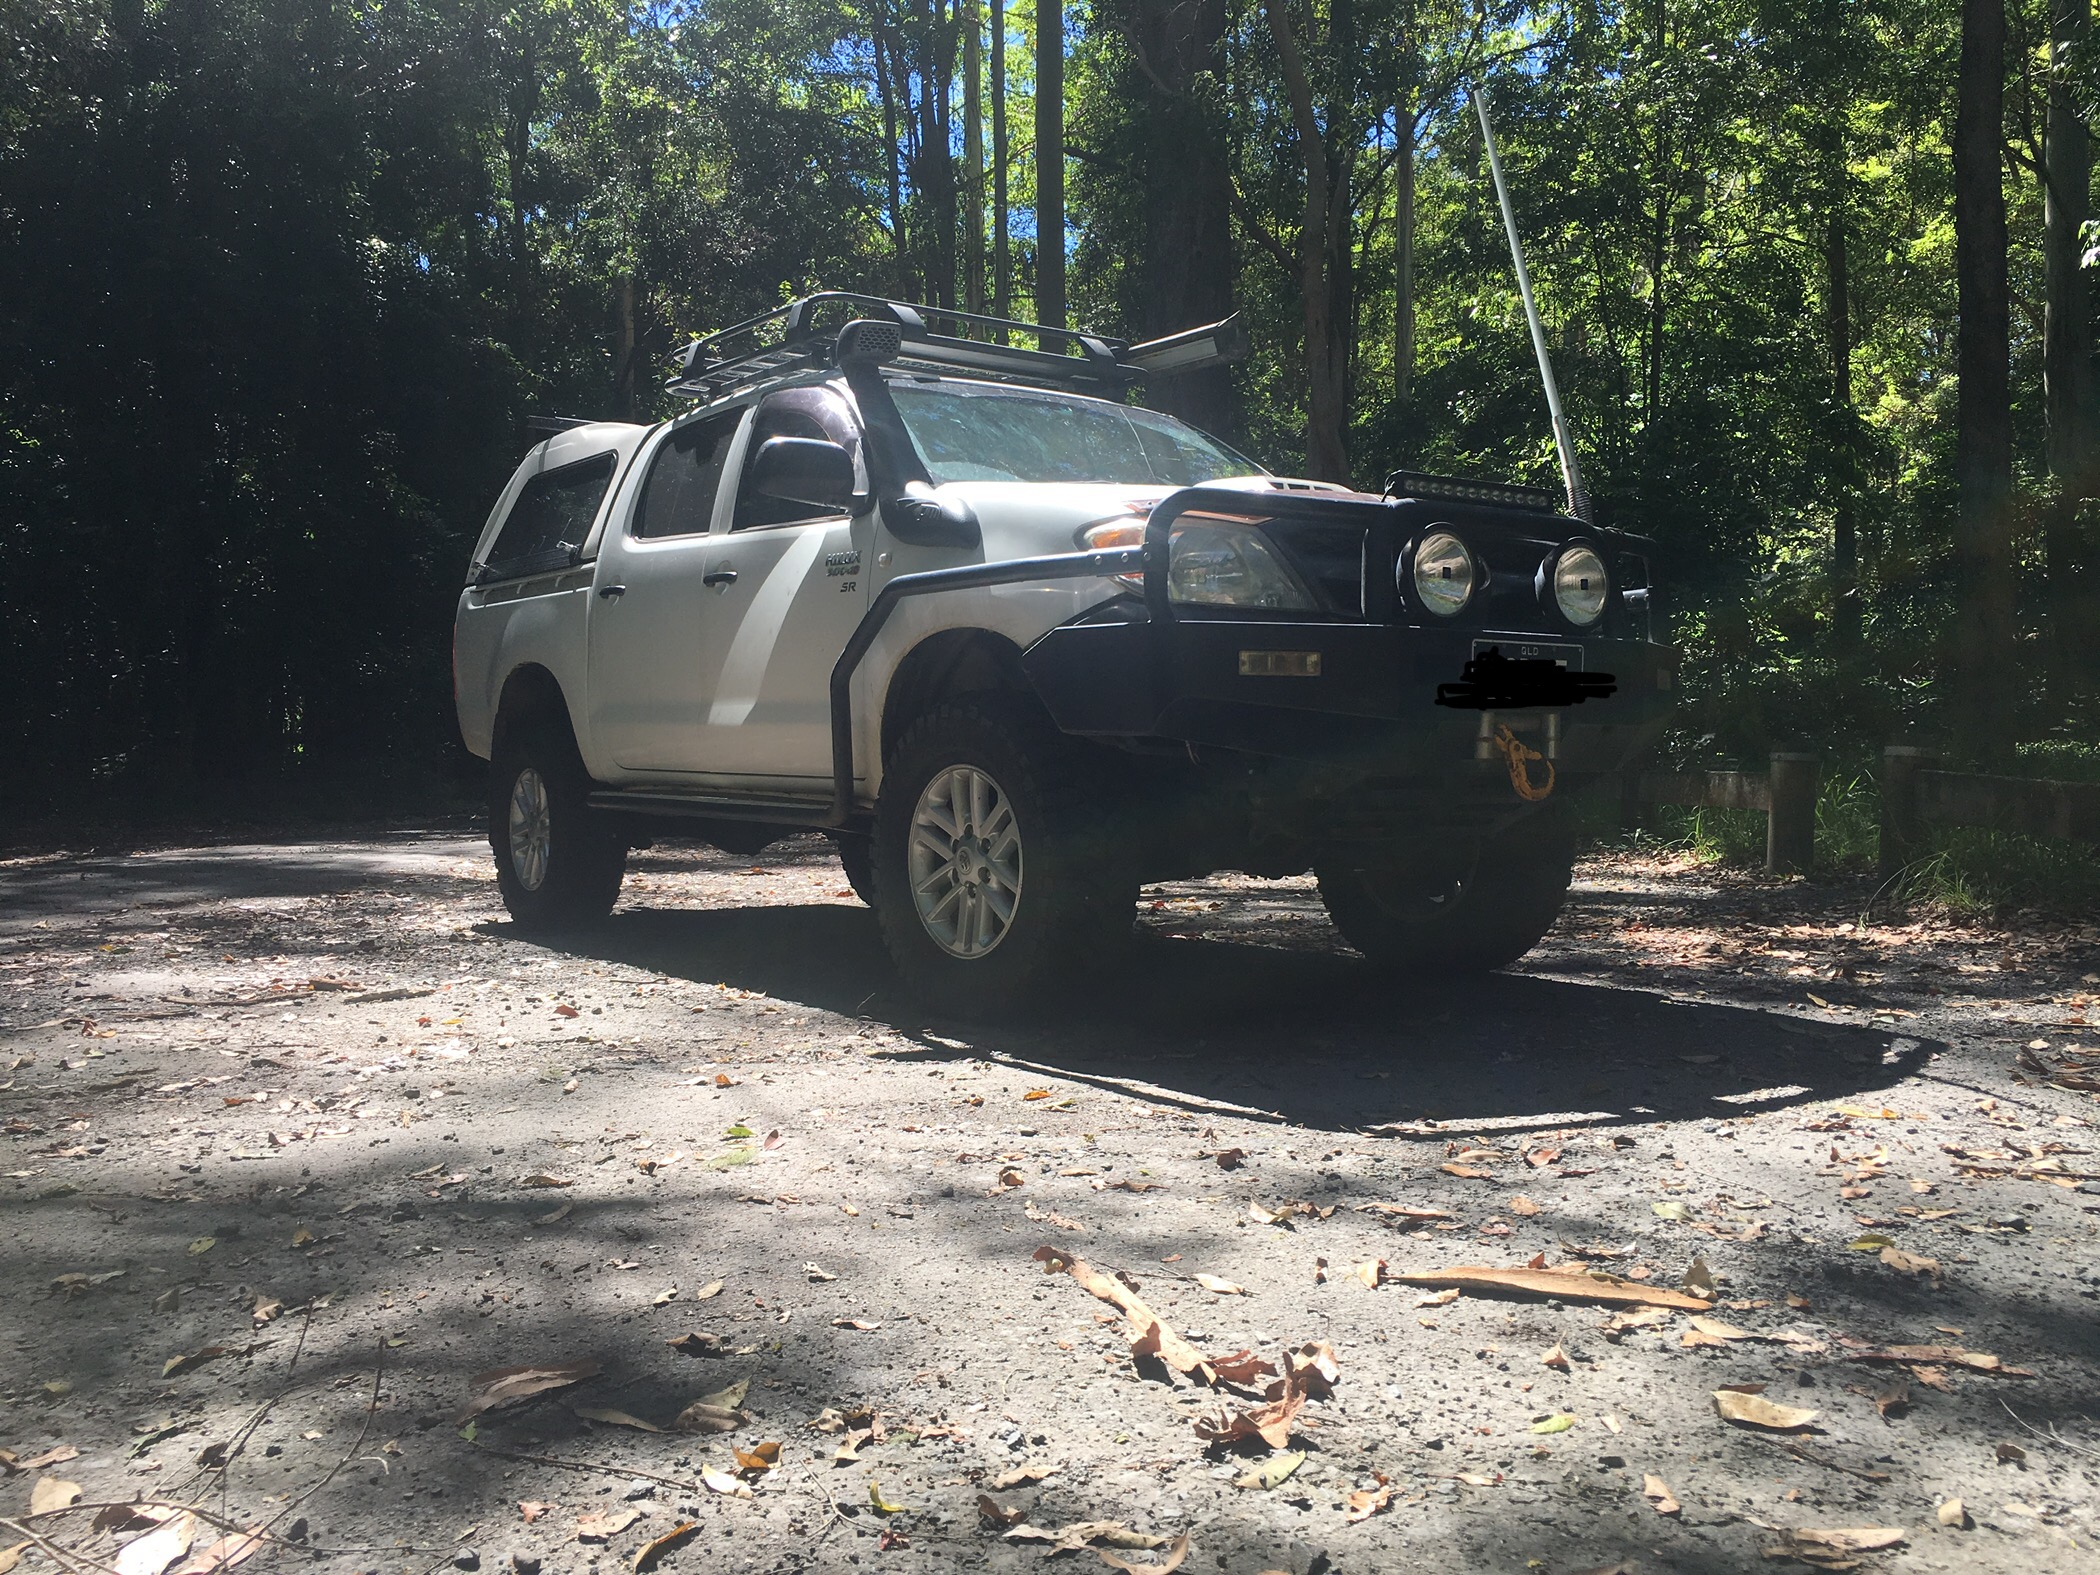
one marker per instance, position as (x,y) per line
(805,335)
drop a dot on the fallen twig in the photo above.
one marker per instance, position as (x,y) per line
(587,1465)
(2052,1436)
(65,1558)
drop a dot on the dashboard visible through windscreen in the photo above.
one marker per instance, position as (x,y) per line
(977,432)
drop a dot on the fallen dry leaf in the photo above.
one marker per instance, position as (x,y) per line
(1272,1472)
(1556,1357)
(993,1513)
(57,1454)
(1230,1158)
(616,1419)
(1145,1326)
(1522,1205)
(700,1417)
(1211,1283)
(1081,1533)
(154,1552)
(1403,1211)
(1756,1411)
(542,1179)
(1657,1492)
(759,1457)
(1832,1549)
(236,1547)
(1020,1476)
(1366,1502)
(51,1493)
(1954,1513)
(651,1553)
(507,1386)
(195,1359)
(1242,1368)
(1571,1282)
(716,1480)
(605,1524)
(1176,1552)
(708,1292)
(1468,1172)
(1372,1273)
(532,1509)
(1909,1263)
(1940,1356)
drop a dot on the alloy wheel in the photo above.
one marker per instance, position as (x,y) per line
(965,861)
(531,828)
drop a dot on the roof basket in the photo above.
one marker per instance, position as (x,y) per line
(804,336)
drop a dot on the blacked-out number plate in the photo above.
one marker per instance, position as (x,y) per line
(1568,656)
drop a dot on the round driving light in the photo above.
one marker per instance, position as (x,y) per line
(1445,574)
(1580,586)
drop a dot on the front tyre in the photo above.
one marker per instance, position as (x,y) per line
(558,862)
(1424,915)
(997,858)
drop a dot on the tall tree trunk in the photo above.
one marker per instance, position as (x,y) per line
(1002,258)
(973,156)
(1841,472)
(624,364)
(1187,184)
(2067,361)
(1326,456)
(1050,164)
(934,169)
(1407,126)
(1658,261)
(901,272)
(1985,635)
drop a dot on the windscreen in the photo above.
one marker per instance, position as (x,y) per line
(969,432)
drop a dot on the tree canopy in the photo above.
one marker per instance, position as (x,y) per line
(279,284)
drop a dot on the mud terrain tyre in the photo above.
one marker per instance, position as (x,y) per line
(559,863)
(856,850)
(999,859)
(1485,912)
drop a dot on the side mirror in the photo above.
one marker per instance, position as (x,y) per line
(920,520)
(815,471)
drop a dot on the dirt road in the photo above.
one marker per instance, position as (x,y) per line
(304,1139)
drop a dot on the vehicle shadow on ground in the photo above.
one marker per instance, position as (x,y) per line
(1316,1037)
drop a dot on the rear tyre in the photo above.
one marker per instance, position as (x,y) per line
(558,862)
(998,858)
(857,859)
(1430,917)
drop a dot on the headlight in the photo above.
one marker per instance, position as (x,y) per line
(1445,574)
(1214,564)
(1126,531)
(1580,586)
(1213,561)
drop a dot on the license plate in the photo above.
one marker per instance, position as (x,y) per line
(1568,656)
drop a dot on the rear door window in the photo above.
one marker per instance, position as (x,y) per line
(548,522)
(678,499)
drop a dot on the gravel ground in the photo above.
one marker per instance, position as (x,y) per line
(314,1118)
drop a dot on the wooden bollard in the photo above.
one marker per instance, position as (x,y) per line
(1902,830)
(1790,830)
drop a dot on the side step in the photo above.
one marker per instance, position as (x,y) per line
(784,810)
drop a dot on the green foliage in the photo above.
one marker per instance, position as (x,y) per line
(279,282)
(1971,872)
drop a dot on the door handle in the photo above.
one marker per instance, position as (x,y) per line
(609,591)
(719,577)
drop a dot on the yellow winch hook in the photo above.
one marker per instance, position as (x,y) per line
(1516,753)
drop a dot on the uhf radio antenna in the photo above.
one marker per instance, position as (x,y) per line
(1571,473)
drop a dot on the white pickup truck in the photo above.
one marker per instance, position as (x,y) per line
(1019,646)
